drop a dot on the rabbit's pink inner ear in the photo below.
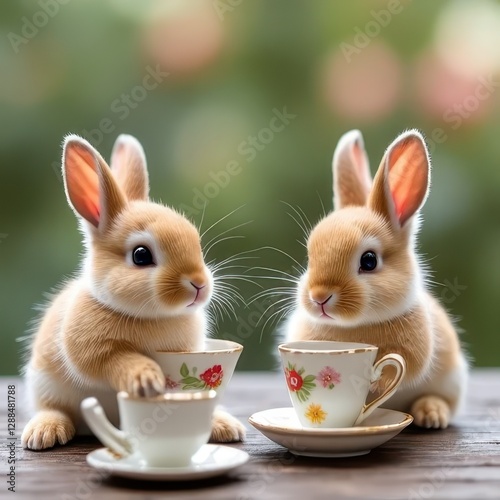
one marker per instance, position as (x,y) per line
(82,182)
(408,176)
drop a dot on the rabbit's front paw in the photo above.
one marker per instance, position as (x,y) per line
(46,429)
(226,428)
(146,380)
(431,412)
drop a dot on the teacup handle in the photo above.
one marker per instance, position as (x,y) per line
(99,424)
(389,359)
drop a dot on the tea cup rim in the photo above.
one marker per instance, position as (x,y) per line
(177,397)
(235,348)
(347,347)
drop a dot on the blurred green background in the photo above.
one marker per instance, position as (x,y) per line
(219,72)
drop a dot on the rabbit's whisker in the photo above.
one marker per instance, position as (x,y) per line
(285,254)
(220,220)
(306,218)
(226,262)
(202,217)
(242,224)
(242,278)
(230,295)
(275,271)
(273,292)
(322,205)
(209,247)
(226,306)
(284,308)
(270,306)
(304,224)
(280,278)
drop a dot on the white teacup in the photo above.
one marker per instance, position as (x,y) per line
(329,381)
(164,431)
(208,369)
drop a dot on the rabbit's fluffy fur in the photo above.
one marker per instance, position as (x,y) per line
(388,306)
(96,336)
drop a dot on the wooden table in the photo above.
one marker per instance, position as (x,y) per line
(462,462)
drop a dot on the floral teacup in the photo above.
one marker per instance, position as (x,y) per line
(211,368)
(329,382)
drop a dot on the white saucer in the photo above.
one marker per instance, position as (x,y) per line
(211,460)
(282,426)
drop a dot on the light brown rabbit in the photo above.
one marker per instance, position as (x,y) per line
(364,282)
(142,287)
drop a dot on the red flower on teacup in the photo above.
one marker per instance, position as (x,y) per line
(213,376)
(298,383)
(293,379)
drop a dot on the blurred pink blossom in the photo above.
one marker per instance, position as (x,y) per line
(448,96)
(186,39)
(368,87)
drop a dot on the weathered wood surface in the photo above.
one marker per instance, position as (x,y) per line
(462,462)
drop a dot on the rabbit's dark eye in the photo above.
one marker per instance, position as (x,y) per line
(368,261)
(142,256)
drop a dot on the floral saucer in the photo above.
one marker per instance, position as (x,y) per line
(210,461)
(282,426)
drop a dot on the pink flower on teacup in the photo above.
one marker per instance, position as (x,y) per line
(328,377)
(170,384)
(213,376)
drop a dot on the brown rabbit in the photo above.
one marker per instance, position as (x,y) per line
(143,286)
(364,282)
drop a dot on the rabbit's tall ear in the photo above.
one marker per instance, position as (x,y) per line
(402,181)
(91,190)
(128,164)
(351,171)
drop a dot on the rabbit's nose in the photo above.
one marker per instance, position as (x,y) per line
(198,287)
(322,302)
(320,295)
(198,280)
